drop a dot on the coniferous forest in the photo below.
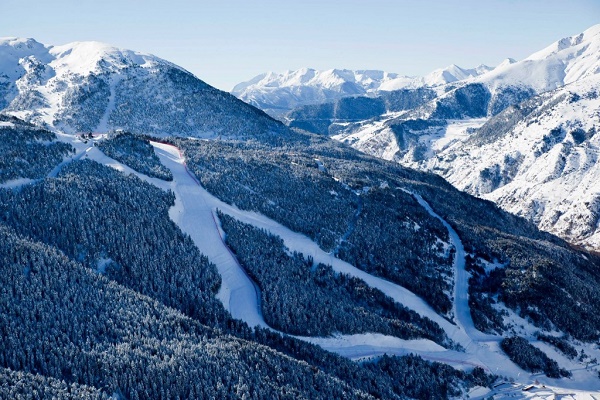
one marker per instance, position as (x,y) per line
(116,300)
(302,298)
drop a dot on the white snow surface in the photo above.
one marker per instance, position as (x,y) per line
(32,70)
(377,139)
(563,62)
(16,183)
(453,73)
(84,57)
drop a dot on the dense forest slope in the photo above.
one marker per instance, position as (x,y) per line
(90,237)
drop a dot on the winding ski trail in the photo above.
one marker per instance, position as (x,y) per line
(460,306)
(194,212)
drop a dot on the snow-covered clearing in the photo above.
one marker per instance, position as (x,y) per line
(460,307)
(456,131)
(194,214)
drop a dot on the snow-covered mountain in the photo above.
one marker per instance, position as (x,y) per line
(536,158)
(561,63)
(279,93)
(91,86)
(454,73)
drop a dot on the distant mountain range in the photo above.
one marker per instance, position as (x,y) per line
(278,94)
(548,94)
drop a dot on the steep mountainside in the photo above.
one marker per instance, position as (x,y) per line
(278,94)
(90,86)
(539,160)
(525,157)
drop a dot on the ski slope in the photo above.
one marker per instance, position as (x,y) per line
(194,212)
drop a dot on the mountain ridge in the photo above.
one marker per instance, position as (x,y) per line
(550,91)
(92,86)
(278,93)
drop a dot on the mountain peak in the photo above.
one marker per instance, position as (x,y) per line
(93,86)
(564,61)
(84,57)
(18,42)
(13,50)
(591,36)
(506,62)
(453,73)
(594,30)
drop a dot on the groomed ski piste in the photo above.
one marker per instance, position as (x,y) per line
(195,213)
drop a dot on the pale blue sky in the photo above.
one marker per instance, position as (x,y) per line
(228,41)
